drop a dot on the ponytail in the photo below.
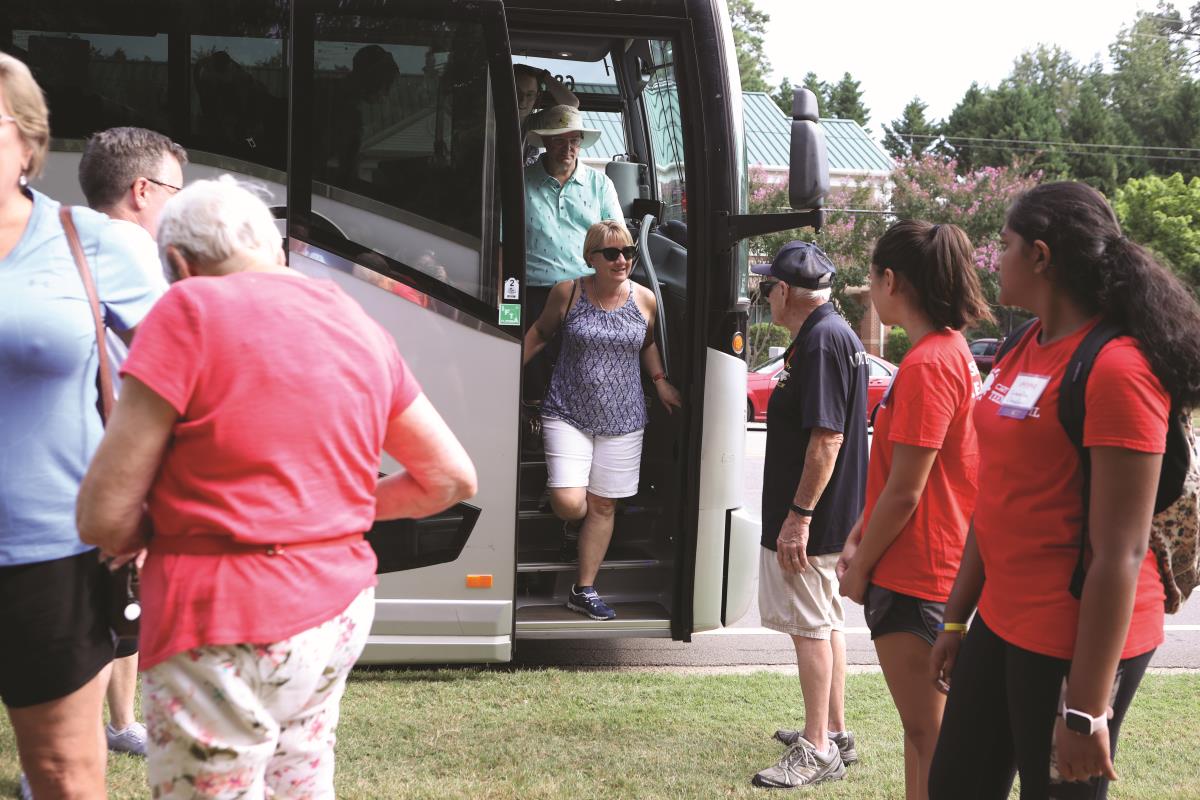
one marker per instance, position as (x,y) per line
(937,262)
(1107,274)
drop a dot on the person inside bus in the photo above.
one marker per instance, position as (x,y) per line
(534,86)
(563,199)
(1042,680)
(129,174)
(903,553)
(372,75)
(594,412)
(256,466)
(814,477)
(53,588)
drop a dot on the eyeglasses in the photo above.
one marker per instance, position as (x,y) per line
(6,118)
(611,253)
(173,189)
(766,286)
(563,141)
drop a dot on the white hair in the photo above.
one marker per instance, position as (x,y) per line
(817,296)
(211,220)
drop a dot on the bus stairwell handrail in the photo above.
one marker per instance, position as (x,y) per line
(660,327)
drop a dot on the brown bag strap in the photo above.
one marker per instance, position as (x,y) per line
(107,397)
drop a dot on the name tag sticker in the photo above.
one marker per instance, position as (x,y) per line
(1023,395)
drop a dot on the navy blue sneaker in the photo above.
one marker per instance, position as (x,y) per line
(588,602)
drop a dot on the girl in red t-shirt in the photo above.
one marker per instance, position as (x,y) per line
(1042,681)
(901,557)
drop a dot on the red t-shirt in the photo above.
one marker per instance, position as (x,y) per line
(284,389)
(929,404)
(1030,511)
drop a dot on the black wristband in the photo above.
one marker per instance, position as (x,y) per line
(803,512)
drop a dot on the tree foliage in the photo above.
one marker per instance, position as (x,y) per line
(912,134)
(749,25)
(783,96)
(1164,215)
(845,101)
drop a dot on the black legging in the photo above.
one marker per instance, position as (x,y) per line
(1000,719)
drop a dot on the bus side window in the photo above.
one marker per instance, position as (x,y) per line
(95,81)
(238,102)
(661,99)
(403,145)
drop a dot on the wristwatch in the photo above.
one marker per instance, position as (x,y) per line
(1082,723)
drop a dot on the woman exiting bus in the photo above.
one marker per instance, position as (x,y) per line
(1042,681)
(902,556)
(594,412)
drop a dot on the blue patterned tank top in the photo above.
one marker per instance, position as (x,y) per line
(597,380)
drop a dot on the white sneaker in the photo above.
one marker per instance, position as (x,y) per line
(802,765)
(130,740)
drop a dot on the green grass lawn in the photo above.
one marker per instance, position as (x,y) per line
(476,733)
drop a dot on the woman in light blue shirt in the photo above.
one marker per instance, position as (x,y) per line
(53,601)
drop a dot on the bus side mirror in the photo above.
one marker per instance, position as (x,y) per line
(808,175)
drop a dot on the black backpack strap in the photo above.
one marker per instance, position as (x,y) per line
(1072,406)
(1012,340)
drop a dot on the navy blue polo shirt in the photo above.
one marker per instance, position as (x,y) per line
(823,385)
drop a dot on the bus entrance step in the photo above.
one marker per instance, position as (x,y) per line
(618,563)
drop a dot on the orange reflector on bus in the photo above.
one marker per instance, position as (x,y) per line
(479,581)
(739,342)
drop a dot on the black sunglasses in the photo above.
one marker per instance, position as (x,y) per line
(611,253)
(767,285)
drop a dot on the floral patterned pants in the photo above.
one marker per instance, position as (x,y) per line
(253,720)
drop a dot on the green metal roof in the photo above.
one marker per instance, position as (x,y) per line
(768,138)
(769,133)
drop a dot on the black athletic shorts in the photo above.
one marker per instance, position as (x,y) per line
(891,612)
(53,615)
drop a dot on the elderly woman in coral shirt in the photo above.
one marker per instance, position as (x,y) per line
(255,405)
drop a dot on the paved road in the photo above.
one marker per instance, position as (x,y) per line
(747,645)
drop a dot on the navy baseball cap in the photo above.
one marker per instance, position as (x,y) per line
(800,264)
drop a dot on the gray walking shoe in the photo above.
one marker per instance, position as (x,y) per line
(844,742)
(802,765)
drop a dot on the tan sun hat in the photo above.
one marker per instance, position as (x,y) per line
(557,120)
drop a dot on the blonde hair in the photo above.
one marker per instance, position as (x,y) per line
(28,105)
(598,233)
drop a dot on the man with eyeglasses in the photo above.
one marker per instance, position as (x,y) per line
(533,87)
(129,174)
(563,198)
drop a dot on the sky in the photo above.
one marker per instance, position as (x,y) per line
(933,49)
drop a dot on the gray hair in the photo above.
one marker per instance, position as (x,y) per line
(212,220)
(817,296)
(113,159)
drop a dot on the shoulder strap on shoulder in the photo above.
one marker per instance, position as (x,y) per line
(1072,394)
(570,301)
(1072,405)
(107,397)
(1013,339)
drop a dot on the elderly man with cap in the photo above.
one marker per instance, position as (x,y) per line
(563,198)
(814,482)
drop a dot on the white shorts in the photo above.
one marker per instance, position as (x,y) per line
(801,604)
(606,465)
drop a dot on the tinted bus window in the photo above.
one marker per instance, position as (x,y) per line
(238,101)
(402,125)
(96,81)
(661,99)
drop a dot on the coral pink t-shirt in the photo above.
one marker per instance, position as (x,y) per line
(1029,516)
(284,389)
(929,404)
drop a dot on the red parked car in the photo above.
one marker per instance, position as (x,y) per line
(760,382)
(984,353)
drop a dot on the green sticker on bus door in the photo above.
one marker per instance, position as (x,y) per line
(510,313)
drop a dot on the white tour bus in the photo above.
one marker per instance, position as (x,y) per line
(387,132)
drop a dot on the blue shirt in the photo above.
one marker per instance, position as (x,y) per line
(557,218)
(49,426)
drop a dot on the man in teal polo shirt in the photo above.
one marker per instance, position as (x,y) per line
(563,198)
